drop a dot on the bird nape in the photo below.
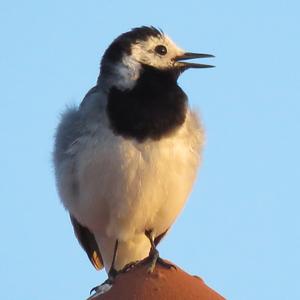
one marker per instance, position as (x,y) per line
(126,158)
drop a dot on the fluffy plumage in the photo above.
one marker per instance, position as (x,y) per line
(126,159)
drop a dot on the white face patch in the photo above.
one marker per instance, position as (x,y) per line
(125,73)
(144,52)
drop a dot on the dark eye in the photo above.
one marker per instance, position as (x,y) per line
(161,50)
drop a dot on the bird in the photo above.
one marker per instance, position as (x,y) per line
(126,158)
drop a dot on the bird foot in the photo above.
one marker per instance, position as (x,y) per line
(105,286)
(129,266)
(101,289)
(165,264)
(156,259)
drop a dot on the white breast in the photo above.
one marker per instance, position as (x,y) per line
(126,187)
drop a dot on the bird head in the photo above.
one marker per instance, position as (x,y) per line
(145,47)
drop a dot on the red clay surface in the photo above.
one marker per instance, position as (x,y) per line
(164,284)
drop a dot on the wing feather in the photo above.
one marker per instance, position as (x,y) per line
(88,243)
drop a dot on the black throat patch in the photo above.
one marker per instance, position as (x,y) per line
(154,108)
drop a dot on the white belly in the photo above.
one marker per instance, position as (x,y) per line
(126,187)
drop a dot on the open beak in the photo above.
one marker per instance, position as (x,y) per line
(189,55)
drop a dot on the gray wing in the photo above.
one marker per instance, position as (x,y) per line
(71,127)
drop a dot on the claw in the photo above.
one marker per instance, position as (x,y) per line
(100,289)
(94,289)
(164,264)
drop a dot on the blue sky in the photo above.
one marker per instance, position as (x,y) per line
(240,230)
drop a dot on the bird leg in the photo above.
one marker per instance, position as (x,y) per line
(112,271)
(154,254)
(106,285)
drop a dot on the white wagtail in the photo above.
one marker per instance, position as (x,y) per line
(126,158)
